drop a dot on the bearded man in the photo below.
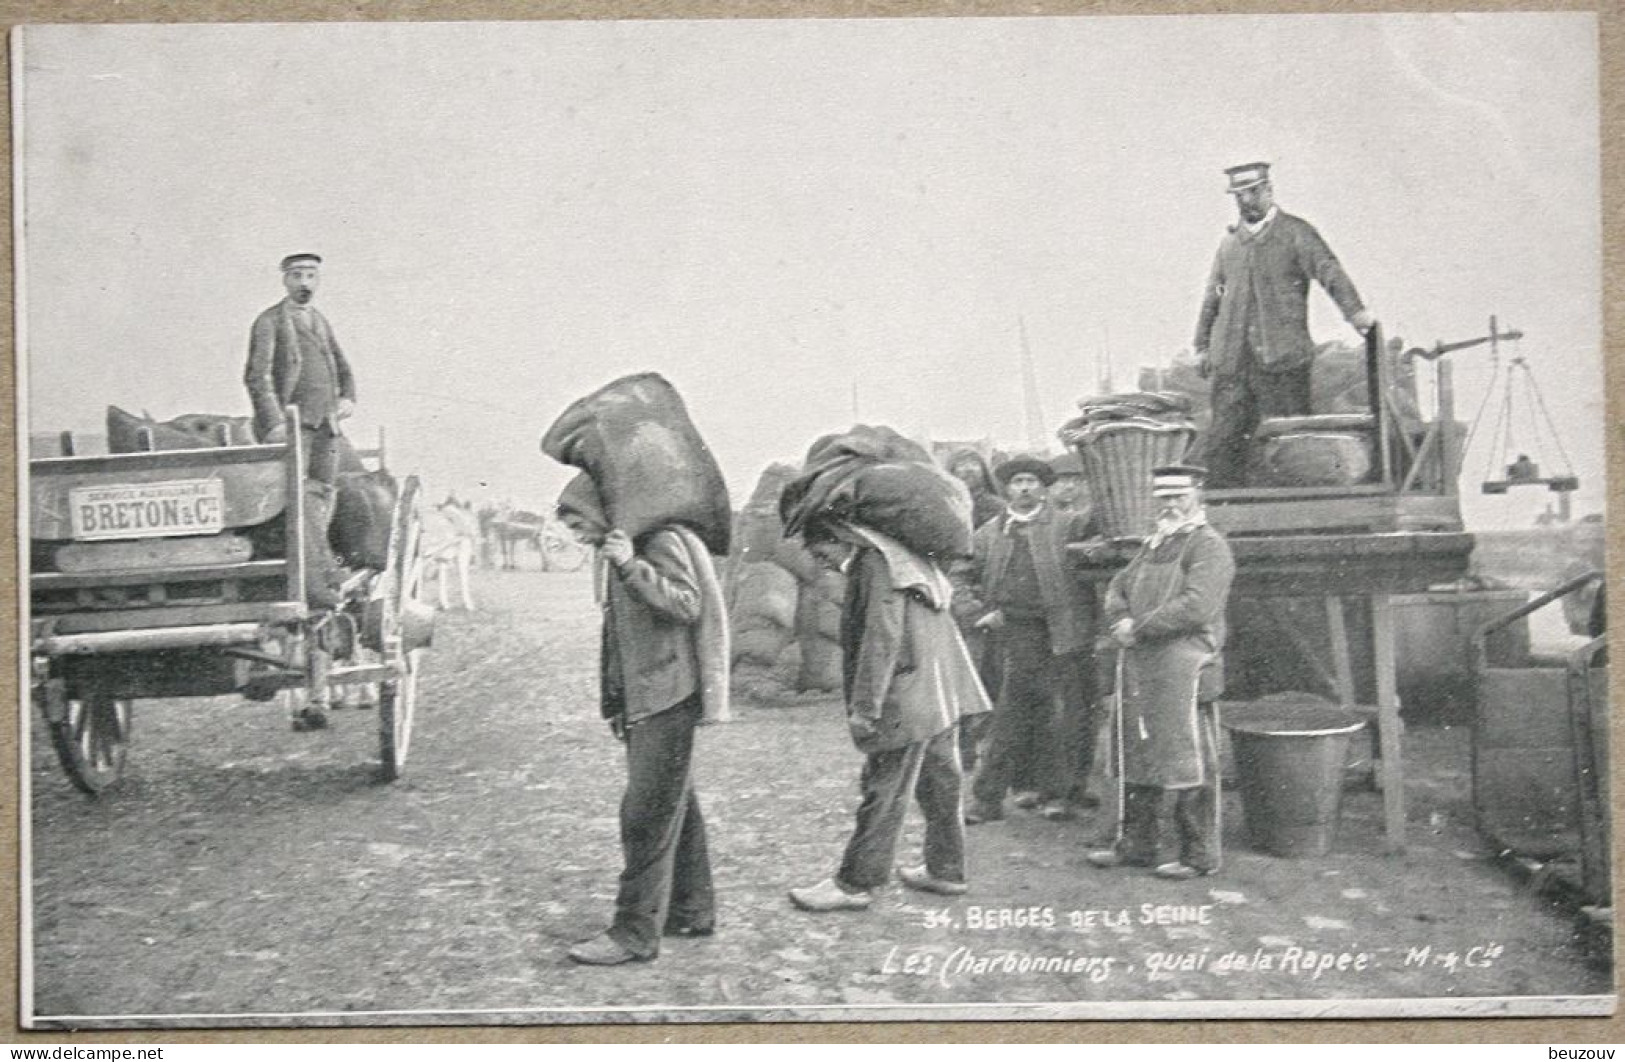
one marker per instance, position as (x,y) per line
(1165,611)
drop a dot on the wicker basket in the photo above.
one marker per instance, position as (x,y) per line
(1118,457)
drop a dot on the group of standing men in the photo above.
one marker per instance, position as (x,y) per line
(1165,617)
(916,700)
(910,686)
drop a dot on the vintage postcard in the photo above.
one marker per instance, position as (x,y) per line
(831,519)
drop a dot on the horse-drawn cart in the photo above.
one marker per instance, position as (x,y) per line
(182,573)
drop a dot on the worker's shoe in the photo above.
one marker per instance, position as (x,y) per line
(678,927)
(1106,858)
(1181,871)
(312,717)
(978,813)
(921,880)
(828,895)
(1059,811)
(605,950)
(1026,800)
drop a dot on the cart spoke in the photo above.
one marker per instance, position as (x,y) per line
(404,586)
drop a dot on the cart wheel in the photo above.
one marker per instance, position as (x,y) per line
(92,740)
(562,553)
(397,700)
(397,697)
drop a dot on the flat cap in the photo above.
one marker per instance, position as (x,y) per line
(1170,480)
(1247,175)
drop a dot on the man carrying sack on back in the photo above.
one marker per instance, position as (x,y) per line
(663,665)
(1165,611)
(870,507)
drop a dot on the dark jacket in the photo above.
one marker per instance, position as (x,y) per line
(1070,608)
(649,660)
(1270,271)
(275,360)
(905,664)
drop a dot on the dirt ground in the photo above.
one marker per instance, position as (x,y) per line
(245,873)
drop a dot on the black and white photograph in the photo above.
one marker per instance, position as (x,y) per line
(811,519)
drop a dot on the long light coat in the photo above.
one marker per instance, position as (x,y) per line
(1175,593)
(1178,592)
(905,663)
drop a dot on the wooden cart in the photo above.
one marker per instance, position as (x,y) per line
(1540,751)
(181,573)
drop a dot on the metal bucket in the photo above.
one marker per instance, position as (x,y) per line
(1289,760)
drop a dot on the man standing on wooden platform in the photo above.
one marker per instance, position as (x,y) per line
(1252,336)
(1165,611)
(294,359)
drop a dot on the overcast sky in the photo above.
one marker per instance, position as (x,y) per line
(773,213)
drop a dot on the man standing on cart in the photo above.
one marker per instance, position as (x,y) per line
(294,359)
(1252,336)
(1166,614)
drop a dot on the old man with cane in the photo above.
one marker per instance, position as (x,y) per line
(1165,611)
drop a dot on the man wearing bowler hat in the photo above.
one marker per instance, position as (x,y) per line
(1165,611)
(1019,587)
(1252,335)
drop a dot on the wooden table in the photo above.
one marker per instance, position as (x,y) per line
(1365,567)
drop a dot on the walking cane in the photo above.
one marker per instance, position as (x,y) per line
(1117,733)
(1214,730)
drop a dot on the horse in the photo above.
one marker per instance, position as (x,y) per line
(515,527)
(450,536)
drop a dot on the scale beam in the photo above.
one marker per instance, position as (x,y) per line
(1441,348)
